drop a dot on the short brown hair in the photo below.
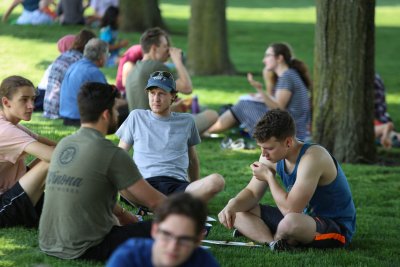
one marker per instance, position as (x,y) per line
(152,37)
(186,205)
(275,123)
(9,86)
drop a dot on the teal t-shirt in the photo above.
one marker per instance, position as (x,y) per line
(86,172)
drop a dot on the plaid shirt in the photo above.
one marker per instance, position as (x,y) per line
(51,104)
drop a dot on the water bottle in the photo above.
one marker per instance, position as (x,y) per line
(195,105)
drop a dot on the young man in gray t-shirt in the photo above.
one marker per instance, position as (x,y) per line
(86,173)
(164,143)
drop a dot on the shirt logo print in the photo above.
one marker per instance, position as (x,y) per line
(67,155)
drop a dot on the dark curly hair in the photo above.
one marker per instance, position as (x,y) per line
(275,123)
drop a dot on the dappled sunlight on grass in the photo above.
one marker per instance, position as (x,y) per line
(393,98)
(384,15)
(8,244)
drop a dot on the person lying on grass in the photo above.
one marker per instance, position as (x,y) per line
(177,230)
(21,186)
(81,217)
(314,209)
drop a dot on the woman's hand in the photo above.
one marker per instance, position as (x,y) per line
(257,85)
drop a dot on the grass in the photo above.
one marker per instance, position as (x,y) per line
(252,25)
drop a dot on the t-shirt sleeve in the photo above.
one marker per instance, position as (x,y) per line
(14,141)
(194,135)
(286,81)
(123,171)
(126,131)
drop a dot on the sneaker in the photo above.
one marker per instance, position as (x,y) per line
(226,143)
(279,245)
(236,233)
(207,229)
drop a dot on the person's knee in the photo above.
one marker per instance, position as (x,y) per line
(217,182)
(288,225)
(211,115)
(390,126)
(41,166)
(205,119)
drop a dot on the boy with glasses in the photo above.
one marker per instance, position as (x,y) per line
(164,143)
(177,231)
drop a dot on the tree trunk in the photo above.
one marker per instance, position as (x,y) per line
(343,79)
(139,15)
(208,48)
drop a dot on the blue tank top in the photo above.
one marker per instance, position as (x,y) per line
(332,201)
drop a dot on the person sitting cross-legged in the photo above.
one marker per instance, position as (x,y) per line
(314,209)
(177,231)
(164,143)
(81,217)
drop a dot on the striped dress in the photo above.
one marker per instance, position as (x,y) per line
(248,112)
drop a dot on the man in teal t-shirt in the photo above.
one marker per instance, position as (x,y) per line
(81,218)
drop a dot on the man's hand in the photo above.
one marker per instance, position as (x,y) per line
(227,216)
(125,217)
(261,171)
(175,54)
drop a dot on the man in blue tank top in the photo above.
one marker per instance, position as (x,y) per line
(314,209)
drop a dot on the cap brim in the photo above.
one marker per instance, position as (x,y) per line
(155,84)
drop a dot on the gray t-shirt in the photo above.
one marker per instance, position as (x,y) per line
(160,144)
(86,172)
(136,82)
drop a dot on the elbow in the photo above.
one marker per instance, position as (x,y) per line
(187,89)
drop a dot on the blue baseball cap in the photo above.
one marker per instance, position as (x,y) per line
(163,80)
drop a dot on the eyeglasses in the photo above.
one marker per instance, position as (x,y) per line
(184,241)
(161,74)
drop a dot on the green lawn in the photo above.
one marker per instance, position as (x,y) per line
(252,26)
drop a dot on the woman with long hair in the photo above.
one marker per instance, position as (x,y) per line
(287,88)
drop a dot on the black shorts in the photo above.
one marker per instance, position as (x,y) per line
(330,234)
(16,208)
(117,236)
(167,185)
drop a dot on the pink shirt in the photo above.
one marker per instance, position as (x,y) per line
(133,54)
(13,140)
